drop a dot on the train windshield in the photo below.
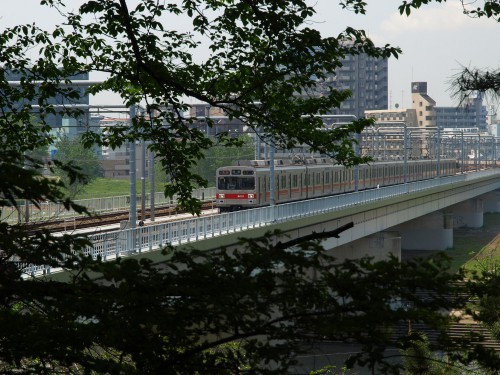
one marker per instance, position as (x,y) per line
(235,183)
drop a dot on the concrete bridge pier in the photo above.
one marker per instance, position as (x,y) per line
(468,213)
(378,246)
(491,201)
(430,232)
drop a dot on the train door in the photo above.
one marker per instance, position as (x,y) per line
(301,184)
(277,187)
(342,180)
(282,191)
(258,188)
(306,183)
(264,189)
(337,182)
(332,182)
(323,190)
(351,179)
(317,185)
(361,178)
(327,184)
(368,176)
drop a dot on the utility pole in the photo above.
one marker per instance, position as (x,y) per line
(143,175)
(132,174)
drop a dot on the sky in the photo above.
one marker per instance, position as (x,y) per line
(437,40)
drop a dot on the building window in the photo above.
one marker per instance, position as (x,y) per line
(420,104)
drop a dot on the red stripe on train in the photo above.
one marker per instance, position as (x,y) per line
(235,196)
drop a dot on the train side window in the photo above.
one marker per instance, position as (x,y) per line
(283,181)
(327,177)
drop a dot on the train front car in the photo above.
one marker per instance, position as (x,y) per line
(236,188)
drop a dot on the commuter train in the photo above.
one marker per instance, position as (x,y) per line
(247,185)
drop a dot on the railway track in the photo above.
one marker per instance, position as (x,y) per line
(111,218)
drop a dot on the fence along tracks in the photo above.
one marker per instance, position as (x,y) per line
(104,211)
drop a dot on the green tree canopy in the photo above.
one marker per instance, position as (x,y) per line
(261,64)
(266,297)
(222,155)
(72,151)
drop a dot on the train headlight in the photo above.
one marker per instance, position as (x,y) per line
(221,196)
(251,196)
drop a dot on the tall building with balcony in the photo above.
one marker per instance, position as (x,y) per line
(367,79)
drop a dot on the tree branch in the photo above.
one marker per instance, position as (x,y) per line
(314,236)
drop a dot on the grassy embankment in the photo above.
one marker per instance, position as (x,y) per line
(477,249)
(473,248)
(107,187)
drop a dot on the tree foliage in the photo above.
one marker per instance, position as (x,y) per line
(471,81)
(265,300)
(477,9)
(220,155)
(251,308)
(259,64)
(72,151)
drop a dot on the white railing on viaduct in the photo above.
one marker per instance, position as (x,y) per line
(125,242)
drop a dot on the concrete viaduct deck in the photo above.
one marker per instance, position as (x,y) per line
(373,212)
(375,216)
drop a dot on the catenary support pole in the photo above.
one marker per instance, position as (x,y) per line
(152,176)
(143,176)
(132,174)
